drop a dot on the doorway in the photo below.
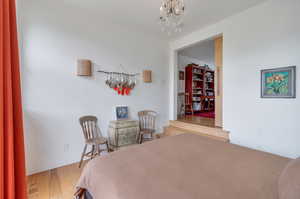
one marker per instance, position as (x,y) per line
(199,83)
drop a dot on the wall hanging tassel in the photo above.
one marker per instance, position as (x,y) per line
(122,83)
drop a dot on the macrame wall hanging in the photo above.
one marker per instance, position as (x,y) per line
(122,83)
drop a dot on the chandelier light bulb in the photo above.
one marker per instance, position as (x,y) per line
(171,14)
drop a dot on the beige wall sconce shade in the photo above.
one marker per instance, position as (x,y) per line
(84,67)
(147,76)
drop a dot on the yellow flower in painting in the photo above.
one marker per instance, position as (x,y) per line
(275,78)
(270,79)
(278,78)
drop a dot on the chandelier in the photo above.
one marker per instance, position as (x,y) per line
(171,15)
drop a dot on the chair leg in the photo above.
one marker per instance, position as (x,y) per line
(107,146)
(138,137)
(97,150)
(93,152)
(82,155)
(141,138)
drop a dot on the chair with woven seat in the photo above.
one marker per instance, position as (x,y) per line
(147,125)
(93,138)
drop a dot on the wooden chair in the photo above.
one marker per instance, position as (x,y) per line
(188,105)
(147,125)
(92,136)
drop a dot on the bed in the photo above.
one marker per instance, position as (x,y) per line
(183,167)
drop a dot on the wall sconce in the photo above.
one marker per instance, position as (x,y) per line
(84,67)
(147,76)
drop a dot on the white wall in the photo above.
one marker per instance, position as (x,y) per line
(202,53)
(54,37)
(261,37)
(183,61)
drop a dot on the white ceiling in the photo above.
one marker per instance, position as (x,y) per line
(144,14)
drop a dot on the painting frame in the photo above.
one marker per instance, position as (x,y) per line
(291,82)
(181,75)
(122,113)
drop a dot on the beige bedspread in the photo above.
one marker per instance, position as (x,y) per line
(184,167)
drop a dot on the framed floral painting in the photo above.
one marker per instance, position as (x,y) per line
(278,82)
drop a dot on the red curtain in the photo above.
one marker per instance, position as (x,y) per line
(12,158)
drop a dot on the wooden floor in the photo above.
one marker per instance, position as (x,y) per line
(203,121)
(54,184)
(177,127)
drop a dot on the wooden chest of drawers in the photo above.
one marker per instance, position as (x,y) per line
(123,132)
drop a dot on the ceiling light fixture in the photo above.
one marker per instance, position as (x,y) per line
(171,15)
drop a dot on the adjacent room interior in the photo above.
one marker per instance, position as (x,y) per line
(196,83)
(139,99)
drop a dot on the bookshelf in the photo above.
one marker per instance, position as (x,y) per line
(199,85)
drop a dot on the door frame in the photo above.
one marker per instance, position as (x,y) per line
(174,48)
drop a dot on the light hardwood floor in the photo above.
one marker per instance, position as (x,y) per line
(203,121)
(54,184)
(177,127)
